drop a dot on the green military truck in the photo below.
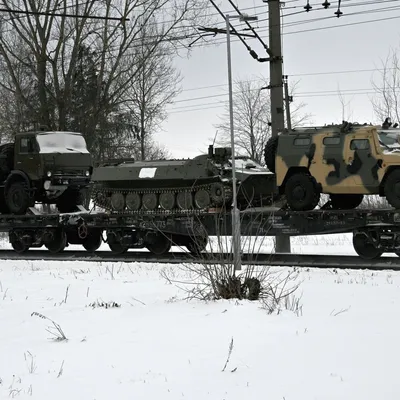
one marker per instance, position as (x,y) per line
(345,161)
(45,167)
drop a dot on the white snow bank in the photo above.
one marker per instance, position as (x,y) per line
(155,346)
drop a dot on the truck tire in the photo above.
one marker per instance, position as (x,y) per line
(270,153)
(301,192)
(345,201)
(17,198)
(6,159)
(392,188)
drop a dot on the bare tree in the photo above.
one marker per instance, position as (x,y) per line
(49,49)
(251,117)
(347,112)
(155,86)
(386,102)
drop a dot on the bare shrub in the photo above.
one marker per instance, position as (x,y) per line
(212,276)
(102,304)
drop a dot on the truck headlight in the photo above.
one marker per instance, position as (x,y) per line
(47,185)
(87,173)
(49,174)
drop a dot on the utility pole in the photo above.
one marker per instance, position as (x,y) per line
(276,89)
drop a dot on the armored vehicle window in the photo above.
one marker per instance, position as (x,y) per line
(27,145)
(331,141)
(302,141)
(359,144)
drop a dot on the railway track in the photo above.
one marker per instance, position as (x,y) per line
(278,260)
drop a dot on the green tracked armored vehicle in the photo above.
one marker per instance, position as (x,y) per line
(200,183)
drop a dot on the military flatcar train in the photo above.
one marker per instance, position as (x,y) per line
(156,203)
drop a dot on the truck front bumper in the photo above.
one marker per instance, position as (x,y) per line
(61,183)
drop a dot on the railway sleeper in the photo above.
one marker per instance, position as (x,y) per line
(371,243)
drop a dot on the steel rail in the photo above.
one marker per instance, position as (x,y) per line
(276,260)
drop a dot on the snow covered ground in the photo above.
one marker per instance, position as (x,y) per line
(344,344)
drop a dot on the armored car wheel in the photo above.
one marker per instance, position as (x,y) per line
(270,153)
(58,243)
(345,201)
(17,198)
(392,188)
(167,201)
(301,192)
(133,201)
(365,248)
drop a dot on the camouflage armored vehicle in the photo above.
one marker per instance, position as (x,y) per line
(345,161)
(176,185)
(44,167)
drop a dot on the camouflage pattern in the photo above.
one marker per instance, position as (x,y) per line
(180,185)
(342,159)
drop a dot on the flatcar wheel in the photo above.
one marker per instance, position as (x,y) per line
(184,200)
(58,243)
(19,246)
(92,241)
(133,201)
(160,245)
(197,245)
(365,248)
(202,199)
(149,201)
(117,248)
(167,201)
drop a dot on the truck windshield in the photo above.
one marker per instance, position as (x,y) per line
(61,142)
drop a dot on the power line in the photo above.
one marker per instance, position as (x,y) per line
(52,14)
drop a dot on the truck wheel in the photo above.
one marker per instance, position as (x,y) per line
(301,192)
(392,189)
(270,153)
(345,201)
(67,202)
(17,198)
(365,248)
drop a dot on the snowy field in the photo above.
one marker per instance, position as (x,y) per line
(342,344)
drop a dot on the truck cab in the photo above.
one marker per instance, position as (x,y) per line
(49,167)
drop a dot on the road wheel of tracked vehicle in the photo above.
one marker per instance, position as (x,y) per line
(58,243)
(365,248)
(301,192)
(17,198)
(93,240)
(118,201)
(160,245)
(19,247)
(118,248)
(184,200)
(133,201)
(149,201)
(270,153)
(167,201)
(345,201)
(202,199)
(392,188)
(217,194)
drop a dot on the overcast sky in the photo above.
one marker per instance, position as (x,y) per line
(350,45)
